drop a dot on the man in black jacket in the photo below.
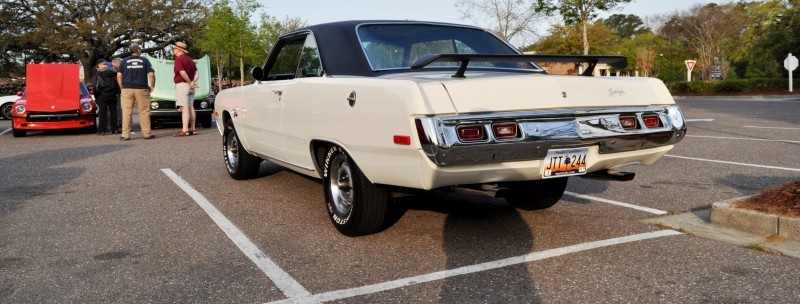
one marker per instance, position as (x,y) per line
(106,90)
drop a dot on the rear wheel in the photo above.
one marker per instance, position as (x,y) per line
(355,205)
(240,163)
(535,195)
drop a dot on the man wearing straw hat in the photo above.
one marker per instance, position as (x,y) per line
(186,75)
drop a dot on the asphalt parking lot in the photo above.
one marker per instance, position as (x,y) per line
(92,219)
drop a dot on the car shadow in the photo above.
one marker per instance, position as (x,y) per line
(37,174)
(479,230)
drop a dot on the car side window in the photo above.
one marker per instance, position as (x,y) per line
(285,65)
(310,65)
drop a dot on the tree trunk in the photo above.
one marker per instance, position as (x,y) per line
(241,71)
(219,73)
(585,39)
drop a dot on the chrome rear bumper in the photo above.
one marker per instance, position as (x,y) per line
(541,131)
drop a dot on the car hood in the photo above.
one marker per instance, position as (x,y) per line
(493,93)
(52,87)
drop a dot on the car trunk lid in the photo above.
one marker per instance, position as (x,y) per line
(528,92)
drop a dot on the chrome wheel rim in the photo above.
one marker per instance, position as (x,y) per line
(341,185)
(232,150)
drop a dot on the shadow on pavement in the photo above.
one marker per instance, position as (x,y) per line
(37,174)
(479,230)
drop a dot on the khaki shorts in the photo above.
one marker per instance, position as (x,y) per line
(184,95)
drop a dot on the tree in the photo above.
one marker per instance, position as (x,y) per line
(707,30)
(229,33)
(270,29)
(565,39)
(772,34)
(627,26)
(508,18)
(91,29)
(581,12)
(213,36)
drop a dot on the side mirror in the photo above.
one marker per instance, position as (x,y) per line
(258,73)
(19,94)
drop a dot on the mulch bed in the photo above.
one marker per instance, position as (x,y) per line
(783,201)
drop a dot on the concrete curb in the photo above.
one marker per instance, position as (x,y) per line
(753,221)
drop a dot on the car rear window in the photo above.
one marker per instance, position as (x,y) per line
(397,46)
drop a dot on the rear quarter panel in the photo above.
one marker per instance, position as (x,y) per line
(318,109)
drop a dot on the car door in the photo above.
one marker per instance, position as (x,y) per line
(265,100)
(301,108)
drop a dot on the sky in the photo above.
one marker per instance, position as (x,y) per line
(321,11)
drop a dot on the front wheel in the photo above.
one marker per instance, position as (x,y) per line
(240,163)
(355,205)
(535,195)
(205,121)
(18,133)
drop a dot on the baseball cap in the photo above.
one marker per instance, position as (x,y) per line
(100,61)
(135,47)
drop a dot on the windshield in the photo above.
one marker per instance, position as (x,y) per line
(397,46)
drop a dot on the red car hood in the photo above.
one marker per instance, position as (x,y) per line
(52,87)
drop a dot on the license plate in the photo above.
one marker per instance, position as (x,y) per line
(565,162)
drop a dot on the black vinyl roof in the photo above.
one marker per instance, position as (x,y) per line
(340,48)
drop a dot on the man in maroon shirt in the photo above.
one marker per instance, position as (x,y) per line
(186,76)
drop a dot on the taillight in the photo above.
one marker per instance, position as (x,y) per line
(627,122)
(651,120)
(470,132)
(423,138)
(505,130)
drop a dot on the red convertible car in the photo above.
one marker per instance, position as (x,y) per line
(54,99)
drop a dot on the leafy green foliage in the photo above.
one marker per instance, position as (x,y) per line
(733,86)
(626,26)
(580,12)
(566,39)
(87,30)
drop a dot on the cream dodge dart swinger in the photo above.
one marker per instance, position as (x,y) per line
(380,108)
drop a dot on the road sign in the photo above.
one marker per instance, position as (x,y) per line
(690,64)
(689,67)
(790,64)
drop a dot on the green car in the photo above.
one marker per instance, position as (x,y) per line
(162,99)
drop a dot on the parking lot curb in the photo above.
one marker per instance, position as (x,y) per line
(724,214)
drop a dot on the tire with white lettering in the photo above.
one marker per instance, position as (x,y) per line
(535,195)
(355,205)
(240,163)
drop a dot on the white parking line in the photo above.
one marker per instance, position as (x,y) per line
(534,256)
(735,163)
(289,287)
(626,205)
(6,131)
(780,128)
(745,138)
